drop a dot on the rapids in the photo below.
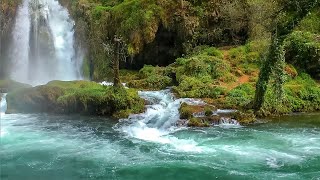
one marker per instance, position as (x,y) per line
(150,146)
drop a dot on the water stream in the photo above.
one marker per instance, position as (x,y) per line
(150,146)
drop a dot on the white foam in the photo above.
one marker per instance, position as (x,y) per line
(228,123)
(3,103)
(3,108)
(106,83)
(157,123)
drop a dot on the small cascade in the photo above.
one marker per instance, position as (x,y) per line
(157,124)
(3,108)
(225,122)
(43,44)
(159,118)
(3,104)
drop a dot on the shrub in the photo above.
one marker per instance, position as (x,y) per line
(302,49)
(241,95)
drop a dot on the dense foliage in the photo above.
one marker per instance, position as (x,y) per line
(240,54)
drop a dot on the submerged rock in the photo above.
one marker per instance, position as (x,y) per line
(83,97)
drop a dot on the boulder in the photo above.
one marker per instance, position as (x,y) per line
(84,97)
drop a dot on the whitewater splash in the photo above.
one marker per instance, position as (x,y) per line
(3,104)
(43,44)
(3,108)
(159,122)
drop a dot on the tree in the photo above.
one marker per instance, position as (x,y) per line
(116,51)
(290,14)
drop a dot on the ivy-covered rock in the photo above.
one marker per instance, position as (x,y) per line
(82,97)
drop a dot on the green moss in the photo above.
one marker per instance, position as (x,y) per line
(245,117)
(76,97)
(198,122)
(208,111)
(186,111)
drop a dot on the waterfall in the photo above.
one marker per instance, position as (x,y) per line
(3,104)
(42,47)
(158,120)
(3,108)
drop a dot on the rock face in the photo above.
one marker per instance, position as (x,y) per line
(8,10)
(156,32)
(75,97)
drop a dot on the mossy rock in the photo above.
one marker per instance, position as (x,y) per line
(244,117)
(187,111)
(82,97)
(7,85)
(198,122)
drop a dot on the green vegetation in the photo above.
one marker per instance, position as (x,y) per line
(151,78)
(197,122)
(302,94)
(76,97)
(303,51)
(240,96)
(261,55)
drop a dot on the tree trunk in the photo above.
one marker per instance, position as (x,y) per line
(266,70)
(116,66)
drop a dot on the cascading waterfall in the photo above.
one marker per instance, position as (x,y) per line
(160,121)
(43,44)
(3,104)
(3,108)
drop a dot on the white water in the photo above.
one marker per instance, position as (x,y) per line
(3,103)
(3,108)
(38,29)
(20,44)
(159,121)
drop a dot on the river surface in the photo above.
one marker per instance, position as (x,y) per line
(148,146)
